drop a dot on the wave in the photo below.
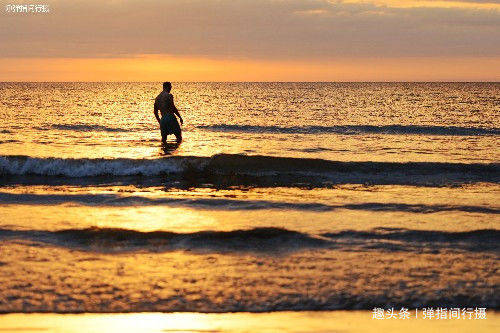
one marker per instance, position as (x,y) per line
(84,128)
(383,238)
(267,239)
(125,240)
(24,165)
(106,200)
(356,129)
(9,141)
(112,200)
(254,170)
(237,168)
(339,129)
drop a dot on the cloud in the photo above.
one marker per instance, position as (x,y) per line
(252,29)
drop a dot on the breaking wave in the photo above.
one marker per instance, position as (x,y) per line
(236,166)
(24,165)
(357,129)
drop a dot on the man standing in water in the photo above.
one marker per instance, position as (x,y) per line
(168,122)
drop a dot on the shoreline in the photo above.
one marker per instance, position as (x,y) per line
(285,321)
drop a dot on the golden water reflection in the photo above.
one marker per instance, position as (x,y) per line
(325,321)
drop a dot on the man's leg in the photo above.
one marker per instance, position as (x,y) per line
(178,136)
(163,131)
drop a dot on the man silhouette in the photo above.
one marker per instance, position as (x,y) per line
(168,122)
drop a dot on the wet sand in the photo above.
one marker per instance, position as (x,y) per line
(323,321)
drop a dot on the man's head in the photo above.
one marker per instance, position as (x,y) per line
(167,86)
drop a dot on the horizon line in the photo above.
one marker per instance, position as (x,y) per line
(306,81)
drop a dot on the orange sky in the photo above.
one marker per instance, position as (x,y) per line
(253,40)
(159,68)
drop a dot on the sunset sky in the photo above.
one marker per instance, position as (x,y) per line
(252,40)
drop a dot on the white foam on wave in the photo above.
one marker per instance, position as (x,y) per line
(87,167)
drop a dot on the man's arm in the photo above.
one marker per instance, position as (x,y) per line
(176,111)
(155,111)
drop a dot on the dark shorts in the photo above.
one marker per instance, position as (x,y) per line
(169,125)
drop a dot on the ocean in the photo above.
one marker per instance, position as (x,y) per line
(282,197)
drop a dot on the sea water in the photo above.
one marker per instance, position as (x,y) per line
(282,196)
